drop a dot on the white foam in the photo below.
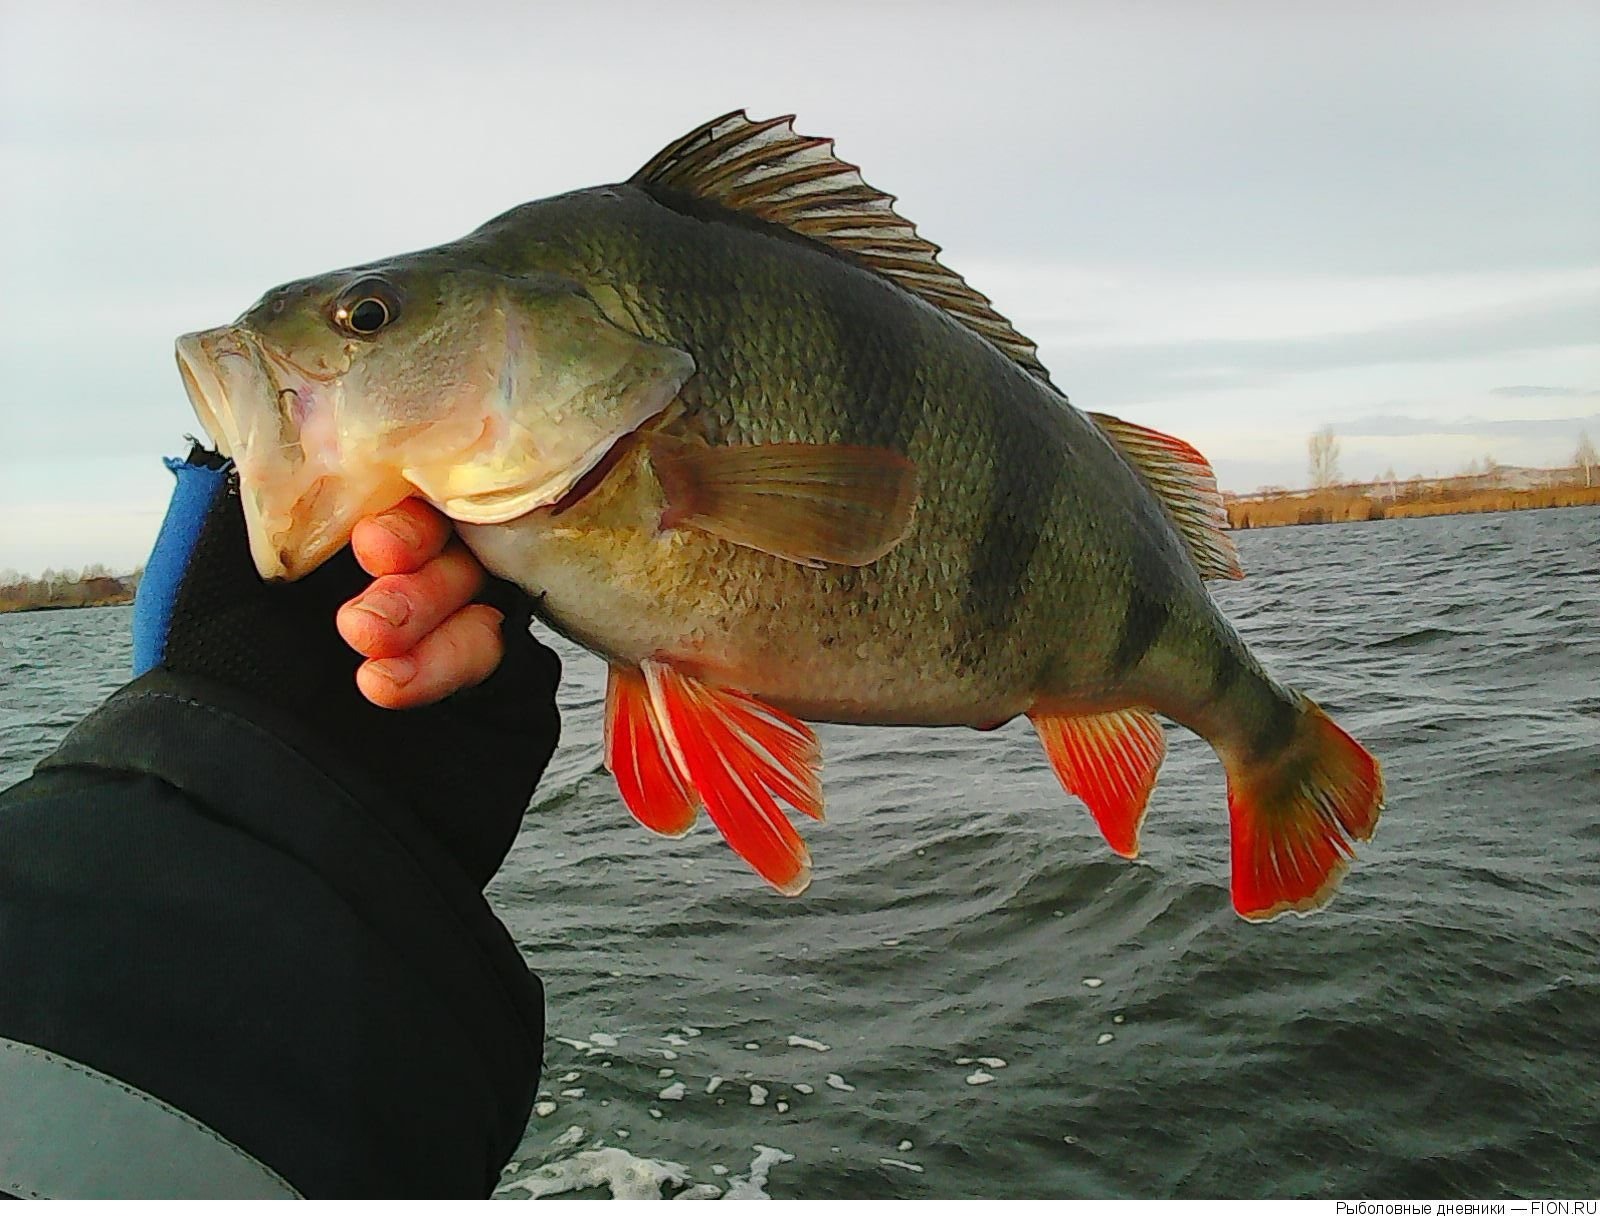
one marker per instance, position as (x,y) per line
(619,1171)
(700,1190)
(1093,982)
(752,1046)
(676,1040)
(572,1135)
(544,1109)
(654,1113)
(1119,1019)
(664,1073)
(903,1165)
(622,1133)
(758,1095)
(903,1147)
(979,1078)
(796,1041)
(691,1031)
(753,1184)
(673,1092)
(802,1088)
(666,1053)
(991,1061)
(1104,1038)
(891,941)
(721,1171)
(572,1093)
(835,1081)
(783,1108)
(600,1039)
(569,1078)
(588,1049)
(1069,1139)
(713,1085)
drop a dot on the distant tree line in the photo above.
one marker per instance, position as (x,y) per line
(85,588)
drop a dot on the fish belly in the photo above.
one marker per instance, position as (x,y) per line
(873,645)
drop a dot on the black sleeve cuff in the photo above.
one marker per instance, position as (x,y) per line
(198,899)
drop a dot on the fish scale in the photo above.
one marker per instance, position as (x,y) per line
(764,453)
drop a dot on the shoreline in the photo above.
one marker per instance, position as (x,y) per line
(1336,507)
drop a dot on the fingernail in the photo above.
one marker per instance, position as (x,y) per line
(398,525)
(396,671)
(387,606)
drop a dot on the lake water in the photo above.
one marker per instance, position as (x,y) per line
(975,998)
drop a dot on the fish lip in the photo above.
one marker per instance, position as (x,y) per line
(207,397)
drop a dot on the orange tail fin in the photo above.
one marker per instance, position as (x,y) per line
(1109,761)
(637,755)
(738,755)
(1296,816)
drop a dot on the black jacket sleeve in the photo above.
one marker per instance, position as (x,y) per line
(201,900)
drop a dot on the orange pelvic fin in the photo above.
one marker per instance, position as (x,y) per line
(1108,760)
(637,755)
(1295,816)
(739,755)
(807,503)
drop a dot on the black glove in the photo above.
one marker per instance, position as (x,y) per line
(466,767)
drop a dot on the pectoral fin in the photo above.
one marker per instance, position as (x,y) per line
(808,503)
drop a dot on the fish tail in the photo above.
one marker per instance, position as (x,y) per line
(1301,792)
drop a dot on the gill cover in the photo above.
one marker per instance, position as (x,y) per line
(571,384)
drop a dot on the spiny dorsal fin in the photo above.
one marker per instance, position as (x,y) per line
(1186,485)
(766,170)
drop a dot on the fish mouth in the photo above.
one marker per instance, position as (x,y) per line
(299,505)
(207,396)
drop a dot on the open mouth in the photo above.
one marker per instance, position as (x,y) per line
(207,395)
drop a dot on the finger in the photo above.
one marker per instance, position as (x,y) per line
(401,539)
(393,615)
(458,654)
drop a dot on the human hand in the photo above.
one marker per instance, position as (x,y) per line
(466,764)
(416,625)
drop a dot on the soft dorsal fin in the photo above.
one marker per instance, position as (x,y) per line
(1187,487)
(764,169)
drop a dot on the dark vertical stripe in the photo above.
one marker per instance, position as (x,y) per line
(878,358)
(1276,728)
(1026,463)
(1147,614)
(1226,668)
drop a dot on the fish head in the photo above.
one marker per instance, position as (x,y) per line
(489,394)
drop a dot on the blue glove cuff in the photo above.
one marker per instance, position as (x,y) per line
(196,490)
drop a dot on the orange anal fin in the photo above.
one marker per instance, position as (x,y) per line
(637,755)
(1108,760)
(739,756)
(1296,816)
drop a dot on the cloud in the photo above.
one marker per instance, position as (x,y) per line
(1131,372)
(1541,390)
(1388,425)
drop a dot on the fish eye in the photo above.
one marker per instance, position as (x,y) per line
(366,307)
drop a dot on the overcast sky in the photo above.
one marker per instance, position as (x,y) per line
(1233,221)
